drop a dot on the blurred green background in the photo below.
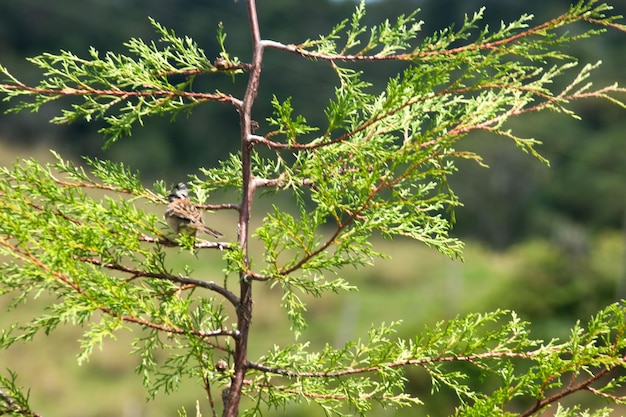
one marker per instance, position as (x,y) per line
(546,242)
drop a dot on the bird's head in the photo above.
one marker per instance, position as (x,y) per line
(179,191)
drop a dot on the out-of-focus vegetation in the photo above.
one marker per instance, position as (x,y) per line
(545,242)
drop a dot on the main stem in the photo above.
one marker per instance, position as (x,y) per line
(244,309)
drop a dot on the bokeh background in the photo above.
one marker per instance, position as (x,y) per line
(547,242)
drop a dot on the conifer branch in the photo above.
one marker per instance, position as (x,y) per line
(193,283)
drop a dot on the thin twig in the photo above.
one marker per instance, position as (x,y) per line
(29,257)
(396,364)
(137,273)
(207,388)
(488,46)
(584,385)
(122,94)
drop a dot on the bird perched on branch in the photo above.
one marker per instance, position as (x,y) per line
(182,216)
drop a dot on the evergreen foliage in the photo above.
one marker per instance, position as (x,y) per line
(380,164)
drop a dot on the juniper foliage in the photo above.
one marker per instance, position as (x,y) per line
(88,233)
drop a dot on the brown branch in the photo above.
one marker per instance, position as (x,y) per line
(164,241)
(614,398)
(91,185)
(344,137)
(355,215)
(584,385)
(457,130)
(13,408)
(150,196)
(137,273)
(223,206)
(539,405)
(220,65)
(122,94)
(29,257)
(342,397)
(244,308)
(310,255)
(250,275)
(207,387)
(199,244)
(396,364)
(315,395)
(281,182)
(263,140)
(557,22)
(603,23)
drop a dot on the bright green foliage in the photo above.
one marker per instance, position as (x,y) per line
(496,345)
(122,89)
(380,165)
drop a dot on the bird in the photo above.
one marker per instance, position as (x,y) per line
(182,216)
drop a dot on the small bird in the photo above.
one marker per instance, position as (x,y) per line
(182,216)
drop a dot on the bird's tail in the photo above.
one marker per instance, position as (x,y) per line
(210,231)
